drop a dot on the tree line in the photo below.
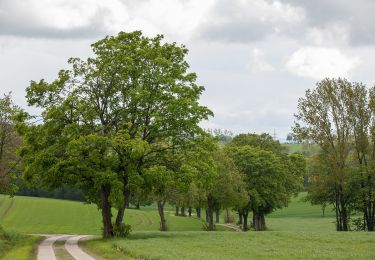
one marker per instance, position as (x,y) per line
(123,125)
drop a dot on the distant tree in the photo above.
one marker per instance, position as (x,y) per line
(271,176)
(323,116)
(289,138)
(9,142)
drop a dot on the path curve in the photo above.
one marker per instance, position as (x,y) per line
(72,247)
(46,251)
(231,226)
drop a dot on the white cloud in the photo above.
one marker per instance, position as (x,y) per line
(259,64)
(69,14)
(92,18)
(321,62)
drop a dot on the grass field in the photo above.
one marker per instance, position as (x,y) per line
(298,231)
(40,215)
(16,246)
(233,245)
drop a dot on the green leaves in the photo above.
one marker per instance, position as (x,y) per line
(270,176)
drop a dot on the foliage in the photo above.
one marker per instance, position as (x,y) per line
(339,116)
(9,142)
(106,119)
(122,231)
(271,176)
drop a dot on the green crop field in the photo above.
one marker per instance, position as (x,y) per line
(41,215)
(298,231)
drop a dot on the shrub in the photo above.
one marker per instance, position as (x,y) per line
(228,217)
(122,231)
(358,224)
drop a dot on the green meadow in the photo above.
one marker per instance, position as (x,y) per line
(298,232)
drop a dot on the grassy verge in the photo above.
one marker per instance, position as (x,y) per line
(233,245)
(18,247)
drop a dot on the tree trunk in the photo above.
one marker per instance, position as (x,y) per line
(207,218)
(198,211)
(217,215)
(137,206)
(259,221)
(177,211)
(163,226)
(106,211)
(245,214)
(189,211)
(210,212)
(121,210)
(183,211)
(240,217)
(341,212)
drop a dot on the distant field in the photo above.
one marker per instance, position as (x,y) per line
(301,148)
(41,215)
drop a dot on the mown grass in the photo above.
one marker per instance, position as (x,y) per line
(40,215)
(298,231)
(233,245)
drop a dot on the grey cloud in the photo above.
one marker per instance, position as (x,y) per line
(235,22)
(231,21)
(357,15)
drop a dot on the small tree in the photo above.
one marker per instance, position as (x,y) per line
(269,182)
(9,142)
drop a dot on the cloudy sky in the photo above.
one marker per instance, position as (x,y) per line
(255,57)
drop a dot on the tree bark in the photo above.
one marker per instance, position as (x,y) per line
(217,216)
(183,211)
(121,210)
(177,211)
(189,211)
(245,214)
(106,211)
(198,211)
(259,221)
(210,212)
(163,226)
(240,217)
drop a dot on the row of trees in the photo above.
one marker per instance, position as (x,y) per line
(339,116)
(124,124)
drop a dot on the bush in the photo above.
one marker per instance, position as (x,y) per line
(122,231)
(358,224)
(228,217)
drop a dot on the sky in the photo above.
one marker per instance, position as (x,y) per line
(255,58)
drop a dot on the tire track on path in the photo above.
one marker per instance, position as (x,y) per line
(46,249)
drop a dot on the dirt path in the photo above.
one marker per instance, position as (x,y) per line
(231,226)
(72,247)
(46,250)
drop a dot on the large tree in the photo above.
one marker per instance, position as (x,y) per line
(340,117)
(133,99)
(335,115)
